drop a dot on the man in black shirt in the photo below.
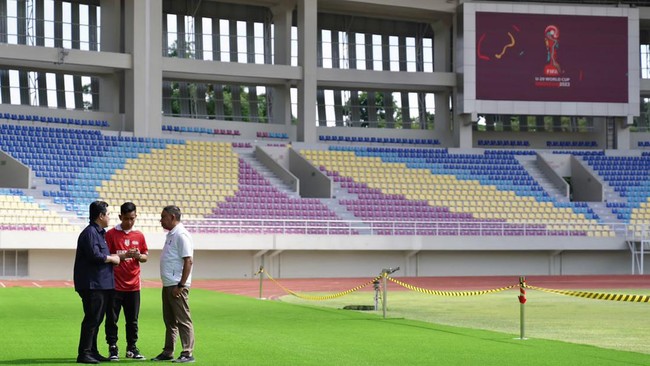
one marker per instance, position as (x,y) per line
(93,280)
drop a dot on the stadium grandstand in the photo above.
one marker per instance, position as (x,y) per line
(331,138)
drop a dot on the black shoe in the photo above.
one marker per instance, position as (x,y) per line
(101,358)
(163,357)
(184,359)
(134,353)
(87,359)
(112,353)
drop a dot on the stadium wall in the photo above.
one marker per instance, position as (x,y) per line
(320,256)
(15,174)
(50,264)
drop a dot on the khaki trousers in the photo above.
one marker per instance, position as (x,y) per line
(176,314)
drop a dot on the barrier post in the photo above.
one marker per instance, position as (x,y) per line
(384,274)
(384,290)
(522,302)
(261,273)
(375,285)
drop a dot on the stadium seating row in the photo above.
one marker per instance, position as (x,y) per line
(386,184)
(581,144)
(59,120)
(629,176)
(380,140)
(201,130)
(508,143)
(19,212)
(466,202)
(203,175)
(272,135)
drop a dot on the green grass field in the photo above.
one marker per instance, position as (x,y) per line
(607,324)
(41,326)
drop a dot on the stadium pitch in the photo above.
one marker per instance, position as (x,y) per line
(41,326)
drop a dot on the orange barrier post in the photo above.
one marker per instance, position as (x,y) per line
(522,302)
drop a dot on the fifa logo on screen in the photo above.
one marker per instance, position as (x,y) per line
(552,41)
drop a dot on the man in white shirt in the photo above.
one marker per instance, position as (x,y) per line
(176,275)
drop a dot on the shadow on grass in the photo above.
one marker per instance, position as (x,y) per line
(39,361)
(490,336)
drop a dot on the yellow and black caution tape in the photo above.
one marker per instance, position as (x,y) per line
(595,295)
(582,294)
(450,293)
(319,298)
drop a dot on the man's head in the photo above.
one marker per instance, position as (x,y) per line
(128,213)
(170,217)
(98,213)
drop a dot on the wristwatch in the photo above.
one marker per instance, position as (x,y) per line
(180,285)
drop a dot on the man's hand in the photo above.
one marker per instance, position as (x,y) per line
(113,258)
(133,253)
(177,291)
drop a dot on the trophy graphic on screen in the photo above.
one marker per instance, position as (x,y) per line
(552,41)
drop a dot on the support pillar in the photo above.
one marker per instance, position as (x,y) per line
(465,132)
(143,82)
(307,38)
(280,111)
(623,132)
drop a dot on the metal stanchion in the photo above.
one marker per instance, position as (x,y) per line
(384,274)
(522,302)
(377,287)
(261,273)
(383,297)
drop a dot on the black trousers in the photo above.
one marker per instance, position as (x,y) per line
(130,301)
(95,303)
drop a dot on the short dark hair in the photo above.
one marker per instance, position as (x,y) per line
(174,211)
(127,207)
(97,208)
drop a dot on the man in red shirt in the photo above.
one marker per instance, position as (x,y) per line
(131,247)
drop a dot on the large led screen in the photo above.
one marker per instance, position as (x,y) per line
(541,57)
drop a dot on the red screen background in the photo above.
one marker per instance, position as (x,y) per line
(592,52)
